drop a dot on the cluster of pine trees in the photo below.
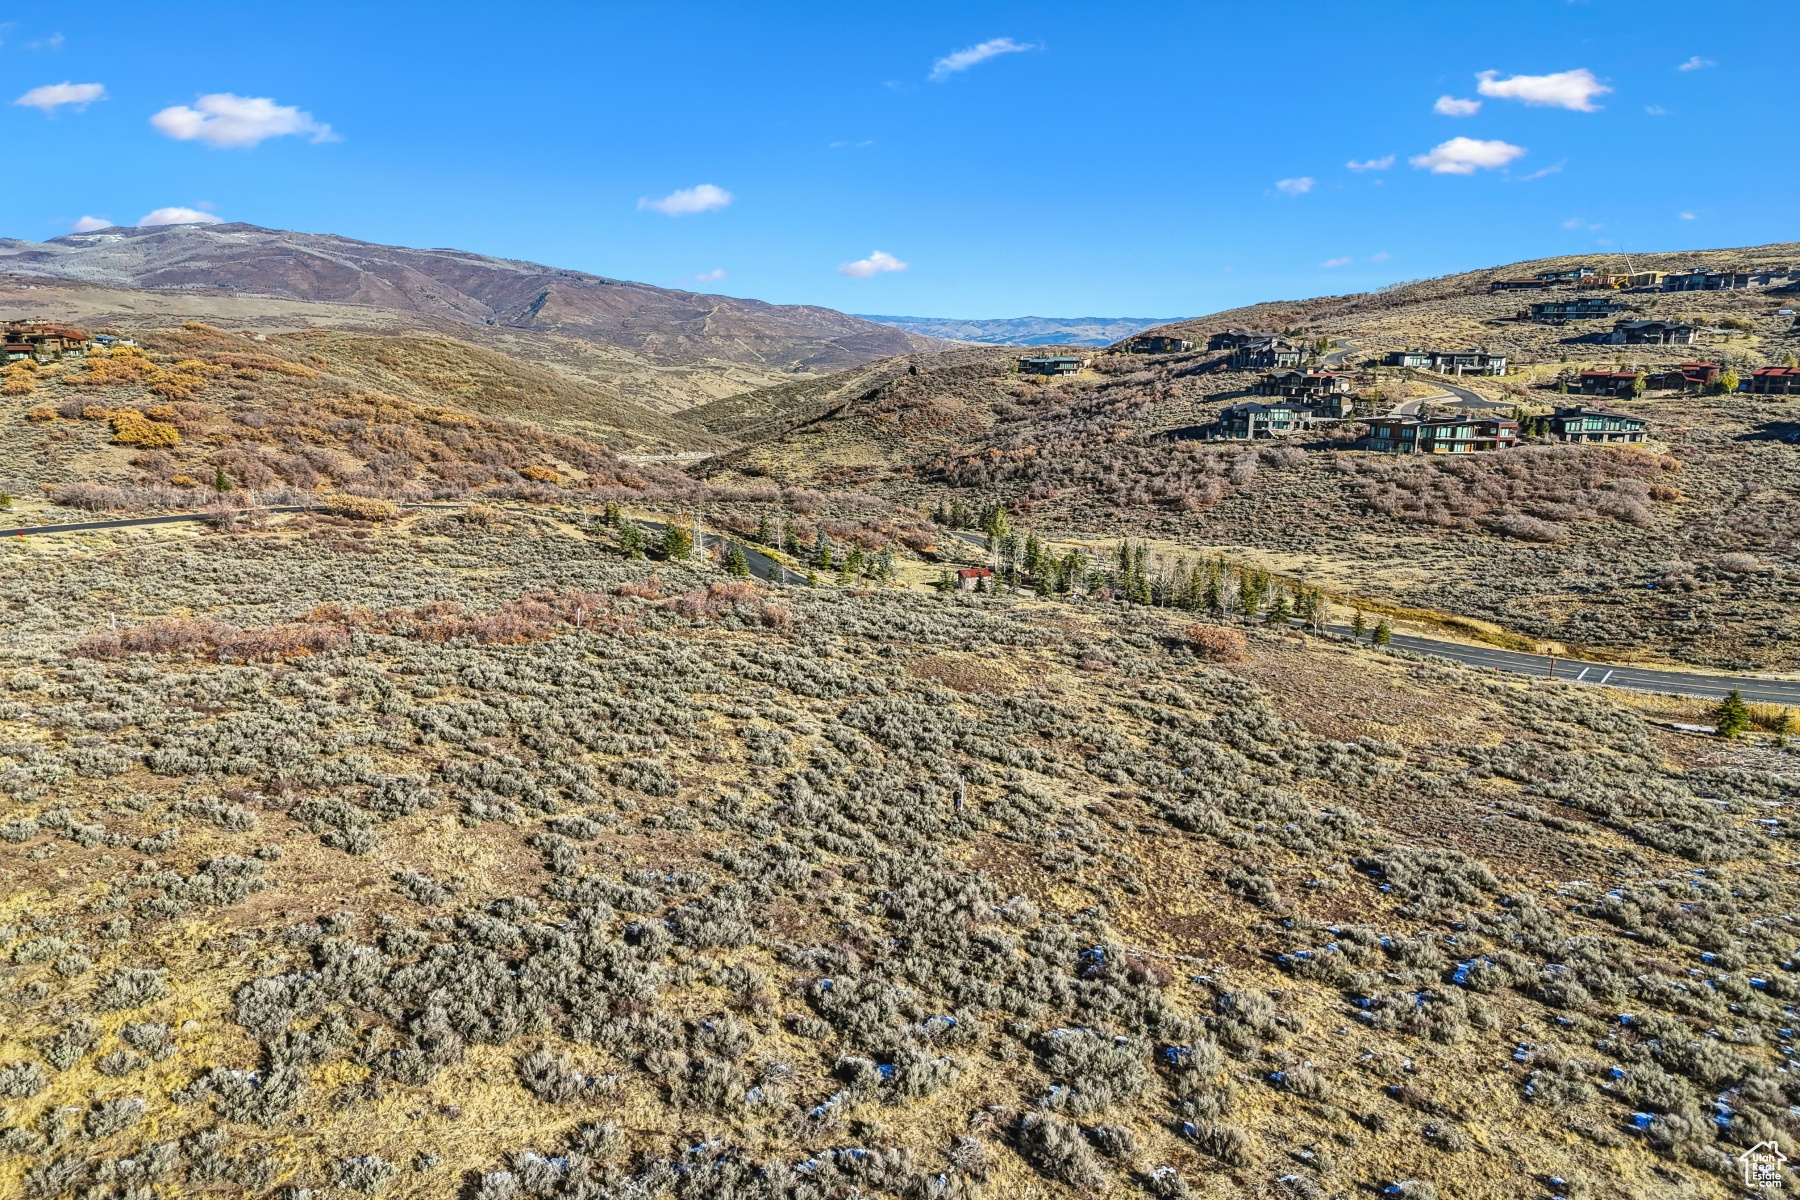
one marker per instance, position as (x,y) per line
(848,563)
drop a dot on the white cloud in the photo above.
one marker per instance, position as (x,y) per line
(222,119)
(177,216)
(967,57)
(875,264)
(1686,216)
(687,201)
(1338,262)
(1550,170)
(1381,257)
(1372,164)
(1465,156)
(1572,223)
(1295,187)
(712,276)
(87,224)
(53,42)
(1696,63)
(1566,89)
(1656,110)
(1450,106)
(53,96)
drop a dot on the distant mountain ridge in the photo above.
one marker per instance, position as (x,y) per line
(453,287)
(1025,331)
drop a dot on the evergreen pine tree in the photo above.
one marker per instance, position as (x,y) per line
(1359,626)
(765,531)
(735,562)
(1280,610)
(631,540)
(1382,634)
(677,543)
(610,517)
(821,551)
(1732,716)
(221,482)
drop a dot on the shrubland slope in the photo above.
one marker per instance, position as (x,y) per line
(466,855)
(397,417)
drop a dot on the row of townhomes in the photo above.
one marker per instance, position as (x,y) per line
(1475,432)
(1457,431)
(44,342)
(1688,377)
(1650,281)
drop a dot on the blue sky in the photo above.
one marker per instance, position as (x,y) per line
(1004,160)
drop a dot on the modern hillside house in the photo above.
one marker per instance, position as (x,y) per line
(1051,364)
(1585,308)
(1610,383)
(1449,362)
(1269,353)
(1158,344)
(1775,381)
(1656,333)
(1566,275)
(1277,418)
(43,342)
(1308,385)
(1464,433)
(1597,425)
(1725,281)
(1231,339)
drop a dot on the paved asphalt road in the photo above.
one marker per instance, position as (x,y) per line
(1708,685)
(122,522)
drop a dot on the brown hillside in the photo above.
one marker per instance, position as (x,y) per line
(658,329)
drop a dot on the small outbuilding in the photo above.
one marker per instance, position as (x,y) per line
(969,578)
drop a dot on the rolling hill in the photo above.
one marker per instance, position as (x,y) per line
(664,348)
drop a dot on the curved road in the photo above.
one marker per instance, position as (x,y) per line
(1705,685)
(1708,685)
